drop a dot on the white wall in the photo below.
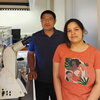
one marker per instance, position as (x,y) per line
(98,5)
(86,11)
(18,19)
(59,9)
(28,21)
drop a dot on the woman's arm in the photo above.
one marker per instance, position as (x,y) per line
(95,93)
(57,82)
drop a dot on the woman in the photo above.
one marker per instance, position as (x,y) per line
(76,67)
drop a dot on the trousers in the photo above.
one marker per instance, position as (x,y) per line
(44,91)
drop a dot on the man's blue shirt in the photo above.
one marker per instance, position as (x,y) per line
(44,48)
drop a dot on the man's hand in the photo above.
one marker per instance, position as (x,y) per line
(32,75)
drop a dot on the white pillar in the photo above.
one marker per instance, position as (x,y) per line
(69,9)
(50,4)
(59,9)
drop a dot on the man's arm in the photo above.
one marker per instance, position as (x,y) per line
(31,62)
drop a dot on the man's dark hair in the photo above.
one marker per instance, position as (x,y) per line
(48,12)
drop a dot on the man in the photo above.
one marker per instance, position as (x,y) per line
(41,51)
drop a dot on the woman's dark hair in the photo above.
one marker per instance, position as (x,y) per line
(48,12)
(79,23)
(75,60)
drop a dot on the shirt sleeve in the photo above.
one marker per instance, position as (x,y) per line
(56,57)
(97,60)
(31,45)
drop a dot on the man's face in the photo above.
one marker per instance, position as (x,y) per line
(48,22)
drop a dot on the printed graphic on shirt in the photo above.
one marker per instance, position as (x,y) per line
(76,71)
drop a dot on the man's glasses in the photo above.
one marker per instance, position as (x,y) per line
(47,19)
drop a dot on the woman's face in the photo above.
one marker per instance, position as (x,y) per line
(74,64)
(74,32)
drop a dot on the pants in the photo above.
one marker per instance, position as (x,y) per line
(44,91)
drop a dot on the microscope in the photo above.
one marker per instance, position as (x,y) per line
(11,85)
